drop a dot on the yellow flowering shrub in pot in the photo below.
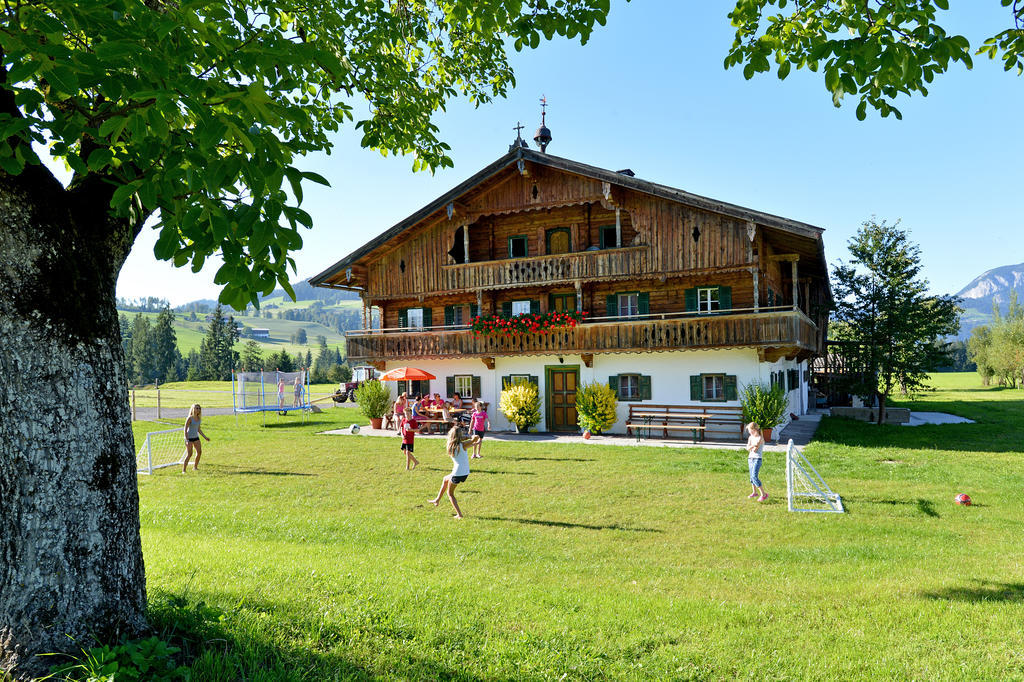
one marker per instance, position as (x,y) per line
(596,407)
(520,403)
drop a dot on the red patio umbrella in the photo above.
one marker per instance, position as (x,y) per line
(406,374)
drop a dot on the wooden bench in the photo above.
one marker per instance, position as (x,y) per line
(428,422)
(697,418)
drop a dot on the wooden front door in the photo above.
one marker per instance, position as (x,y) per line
(561,398)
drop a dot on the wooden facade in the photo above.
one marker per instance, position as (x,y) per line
(554,232)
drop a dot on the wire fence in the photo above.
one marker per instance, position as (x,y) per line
(174,400)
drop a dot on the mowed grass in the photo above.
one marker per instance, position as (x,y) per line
(297,556)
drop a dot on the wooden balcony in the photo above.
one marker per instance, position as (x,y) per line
(776,333)
(547,270)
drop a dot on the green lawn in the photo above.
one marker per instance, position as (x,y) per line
(178,394)
(297,556)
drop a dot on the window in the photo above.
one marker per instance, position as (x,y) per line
(454,315)
(562,303)
(518,247)
(414,318)
(629,305)
(412,388)
(464,385)
(714,386)
(559,240)
(707,299)
(608,240)
(631,386)
(510,380)
(520,308)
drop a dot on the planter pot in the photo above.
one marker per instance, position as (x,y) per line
(767,433)
(376,422)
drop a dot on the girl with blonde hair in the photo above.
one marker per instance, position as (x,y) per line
(193,429)
(456,448)
(755,450)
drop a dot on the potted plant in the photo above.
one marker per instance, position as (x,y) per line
(520,403)
(764,405)
(596,407)
(374,401)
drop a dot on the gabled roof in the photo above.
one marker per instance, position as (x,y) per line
(663,191)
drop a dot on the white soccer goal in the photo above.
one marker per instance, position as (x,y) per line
(805,487)
(160,449)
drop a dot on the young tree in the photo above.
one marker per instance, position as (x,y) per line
(872,51)
(300,336)
(251,358)
(164,346)
(191,116)
(882,300)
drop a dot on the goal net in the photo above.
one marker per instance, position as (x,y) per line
(271,391)
(160,449)
(805,487)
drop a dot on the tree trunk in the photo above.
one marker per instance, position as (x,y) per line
(881,408)
(70,552)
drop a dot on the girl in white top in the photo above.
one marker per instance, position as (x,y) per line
(755,448)
(193,429)
(456,447)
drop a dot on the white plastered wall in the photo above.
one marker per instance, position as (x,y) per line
(670,375)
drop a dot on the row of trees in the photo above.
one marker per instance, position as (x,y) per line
(151,348)
(998,348)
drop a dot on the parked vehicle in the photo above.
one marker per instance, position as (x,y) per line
(347,389)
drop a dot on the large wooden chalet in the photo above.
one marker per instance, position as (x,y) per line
(687,298)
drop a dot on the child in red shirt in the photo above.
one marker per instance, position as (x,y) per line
(408,429)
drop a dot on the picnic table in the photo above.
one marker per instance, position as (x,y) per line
(670,421)
(439,412)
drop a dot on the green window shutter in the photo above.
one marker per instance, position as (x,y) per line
(551,303)
(428,317)
(696,388)
(476,386)
(725,298)
(449,386)
(474,310)
(403,317)
(730,387)
(506,309)
(643,302)
(612,305)
(506,381)
(600,232)
(535,380)
(690,297)
(613,383)
(534,306)
(449,315)
(645,387)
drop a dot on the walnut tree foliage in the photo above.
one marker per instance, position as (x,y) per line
(871,50)
(195,113)
(883,310)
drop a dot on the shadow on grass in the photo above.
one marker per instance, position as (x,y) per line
(566,524)
(926,507)
(231,645)
(549,459)
(983,591)
(236,471)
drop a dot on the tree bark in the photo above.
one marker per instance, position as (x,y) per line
(70,552)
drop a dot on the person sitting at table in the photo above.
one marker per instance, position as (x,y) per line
(399,411)
(457,402)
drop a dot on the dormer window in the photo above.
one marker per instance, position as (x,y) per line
(518,247)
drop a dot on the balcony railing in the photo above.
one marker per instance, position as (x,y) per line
(783,329)
(565,267)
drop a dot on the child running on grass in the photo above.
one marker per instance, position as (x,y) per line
(456,447)
(755,448)
(479,424)
(193,429)
(408,430)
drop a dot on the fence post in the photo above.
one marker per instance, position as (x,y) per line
(158,399)
(133,405)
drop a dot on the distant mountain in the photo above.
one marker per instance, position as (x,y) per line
(988,289)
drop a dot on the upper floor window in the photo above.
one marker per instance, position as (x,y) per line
(707,299)
(629,304)
(562,303)
(520,308)
(414,318)
(518,247)
(609,239)
(558,240)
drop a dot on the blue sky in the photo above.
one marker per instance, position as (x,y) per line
(649,92)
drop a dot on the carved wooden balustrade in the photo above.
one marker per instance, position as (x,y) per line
(565,267)
(791,330)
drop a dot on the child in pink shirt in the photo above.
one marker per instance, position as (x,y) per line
(478,424)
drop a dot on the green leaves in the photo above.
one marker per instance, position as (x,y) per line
(875,52)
